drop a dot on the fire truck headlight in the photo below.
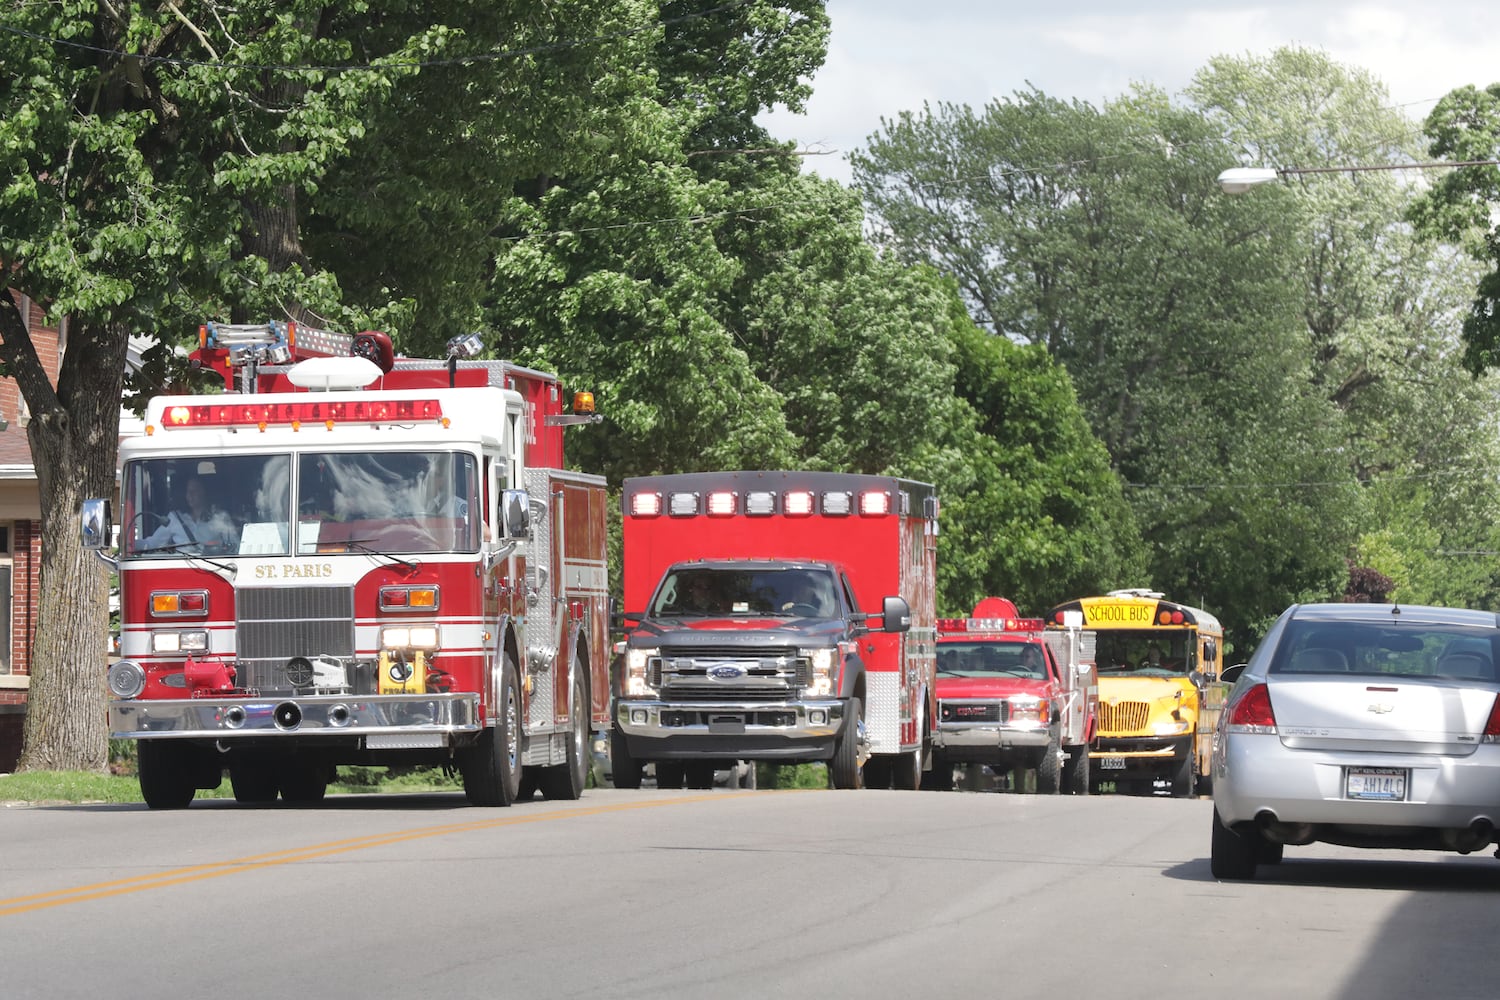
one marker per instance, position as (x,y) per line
(403,637)
(127,679)
(179,642)
(1032,711)
(821,662)
(638,672)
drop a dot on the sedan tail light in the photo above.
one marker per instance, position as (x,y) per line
(1491,732)
(1253,713)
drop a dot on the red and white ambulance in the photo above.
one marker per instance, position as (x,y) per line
(356,559)
(1015,697)
(776,616)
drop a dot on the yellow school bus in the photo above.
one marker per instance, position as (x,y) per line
(1159,690)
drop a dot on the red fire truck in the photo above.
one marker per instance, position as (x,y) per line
(776,616)
(355,559)
(1016,697)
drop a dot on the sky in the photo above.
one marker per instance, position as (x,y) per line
(888,56)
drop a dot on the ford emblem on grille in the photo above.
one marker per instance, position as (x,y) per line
(726,672)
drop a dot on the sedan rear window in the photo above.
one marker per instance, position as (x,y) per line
(1415,650)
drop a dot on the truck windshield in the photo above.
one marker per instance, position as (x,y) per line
(701,590)
(396,502)
(991,658)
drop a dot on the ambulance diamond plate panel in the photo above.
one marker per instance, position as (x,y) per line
(883,714)
(540,624)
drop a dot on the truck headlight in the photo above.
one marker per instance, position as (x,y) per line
(1030,711)
(821,663)
(195,641)
(423,637)
(1171,727)
(638,672)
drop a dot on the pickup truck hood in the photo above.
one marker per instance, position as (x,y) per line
(750,632)
(988,688)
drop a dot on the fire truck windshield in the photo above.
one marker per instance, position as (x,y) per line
(343,501)
(991,658)
(707,590)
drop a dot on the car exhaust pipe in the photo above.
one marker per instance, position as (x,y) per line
(1477,835)
(288,715)
(1294,834)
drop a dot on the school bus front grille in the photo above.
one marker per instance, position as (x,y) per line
(1123,717)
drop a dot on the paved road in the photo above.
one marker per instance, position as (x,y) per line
(721,894)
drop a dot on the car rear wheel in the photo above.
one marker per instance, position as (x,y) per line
(1233,854)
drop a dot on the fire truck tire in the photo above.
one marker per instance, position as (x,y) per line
(1233,854)
(165,774)
(254,781)
(1049,768)
(670,774)
(492,767)
(625,771)
(700,774)
(906,771)
(302,782)
(1076,771)
(843,769)
(567,780)
(877,773)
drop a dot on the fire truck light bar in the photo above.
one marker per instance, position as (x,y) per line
(645,505)
(294,414)
(837,504)
(874,503)
(721,504)
(991,624)
(682,504)
(798,503)
(761,503)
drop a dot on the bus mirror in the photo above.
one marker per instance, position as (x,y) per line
(1210,654)
(94,524)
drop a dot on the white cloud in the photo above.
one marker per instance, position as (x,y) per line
(889,56)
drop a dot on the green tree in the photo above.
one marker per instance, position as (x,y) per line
(252,161)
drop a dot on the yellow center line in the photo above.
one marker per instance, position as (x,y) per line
(195,873)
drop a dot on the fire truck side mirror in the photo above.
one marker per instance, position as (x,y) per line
(896,615)
(517,507)
(95,524)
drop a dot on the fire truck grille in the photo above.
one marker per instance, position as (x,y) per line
(768,674)
(950,711)
(1124,717)
(276,624)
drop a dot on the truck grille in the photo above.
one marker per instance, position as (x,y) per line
(275,624)
(739,674)
(1124,717)
(958,711)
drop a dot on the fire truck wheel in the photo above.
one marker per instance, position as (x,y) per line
(843,769)
(531,780)
(302,782)
(492,767)
(940,777)
(907,767)
(566,780)
(624,770)
(670,774)
(700,774)
(254,781)
(877,772)
(1049,768)
(1076,771)
(165,774)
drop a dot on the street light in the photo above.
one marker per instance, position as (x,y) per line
(1238,180)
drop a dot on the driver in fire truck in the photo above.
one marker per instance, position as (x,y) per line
(196,522)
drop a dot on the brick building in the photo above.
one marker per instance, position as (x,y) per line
(20,541)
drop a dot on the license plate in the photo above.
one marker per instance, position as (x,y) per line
(1385,784)
(1112,763)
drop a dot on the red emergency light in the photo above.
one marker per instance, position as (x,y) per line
(329,412)
(991,624)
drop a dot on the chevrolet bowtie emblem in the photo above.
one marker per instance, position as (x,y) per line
(1380,708)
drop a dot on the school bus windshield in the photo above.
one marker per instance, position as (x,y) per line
(1144,653)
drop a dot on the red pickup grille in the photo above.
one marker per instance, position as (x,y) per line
(950,711)
(1124,717)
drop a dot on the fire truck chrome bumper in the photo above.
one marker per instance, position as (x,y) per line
(794,719)
(429,718)
(949,737)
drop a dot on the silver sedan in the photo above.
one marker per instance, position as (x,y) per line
(1364,725)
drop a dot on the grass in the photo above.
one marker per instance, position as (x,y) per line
(46,787)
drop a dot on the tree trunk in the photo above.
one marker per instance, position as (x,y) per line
(74,438)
